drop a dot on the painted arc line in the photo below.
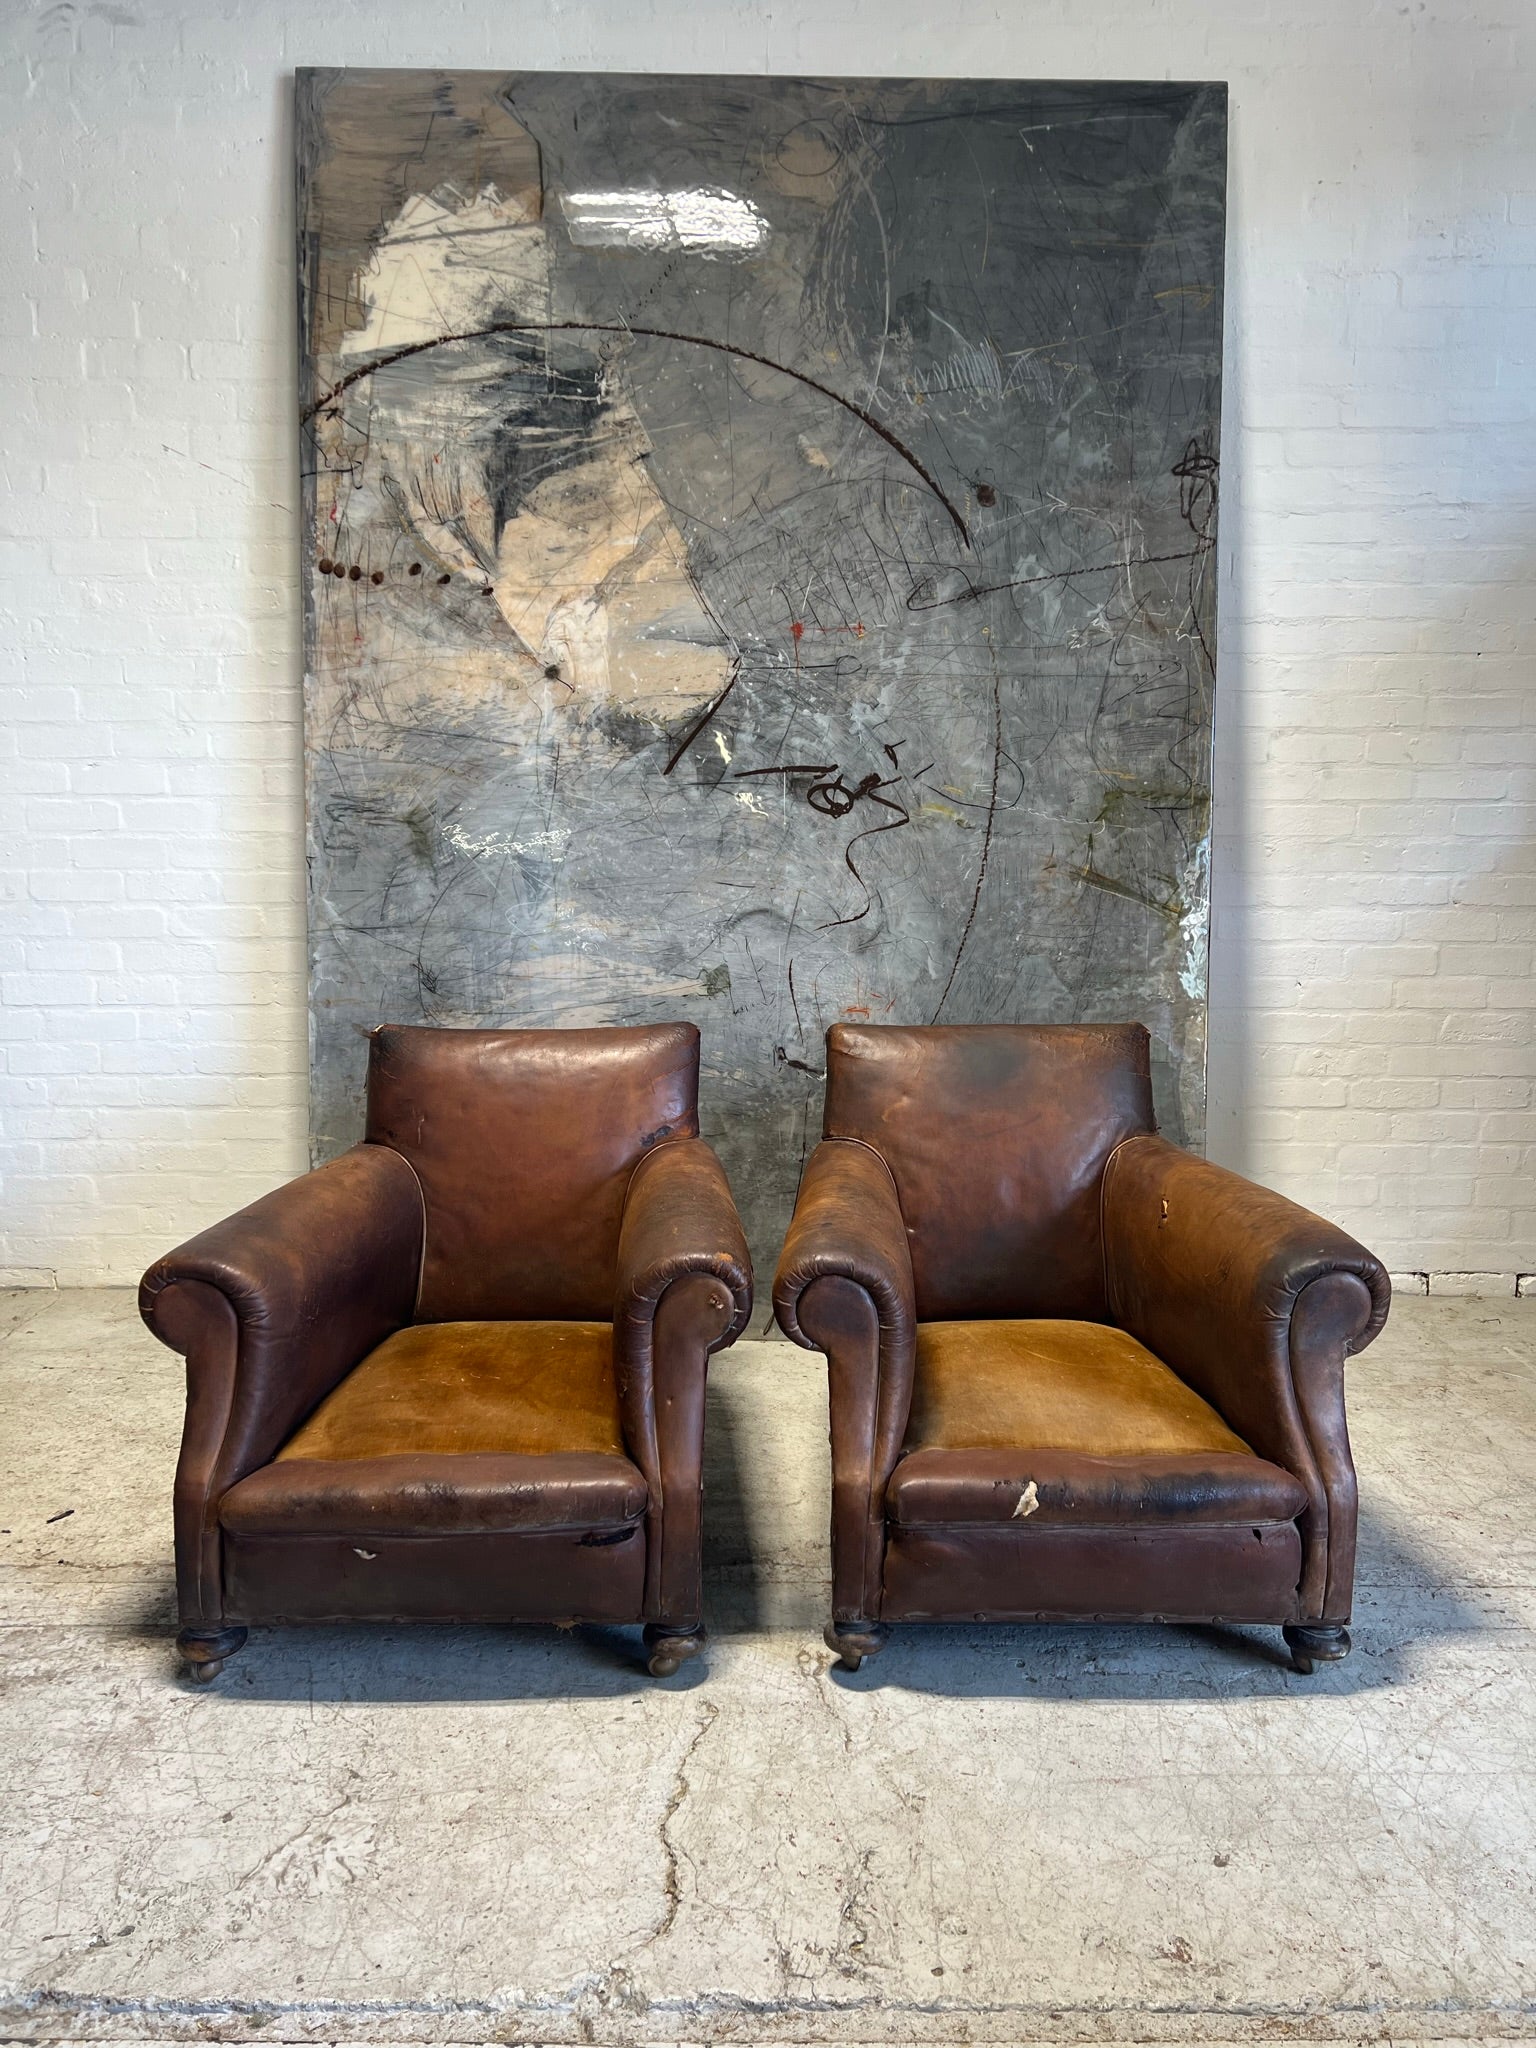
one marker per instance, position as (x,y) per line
(747,355)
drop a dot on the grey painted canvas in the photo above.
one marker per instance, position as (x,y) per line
(760,566)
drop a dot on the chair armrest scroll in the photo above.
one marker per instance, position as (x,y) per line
(679,1217)
(684,1290)
(317,1273)
(847,1225)
(844,1287)
(1256,1303)
(272,1307)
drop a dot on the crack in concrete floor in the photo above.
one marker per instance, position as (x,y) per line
(681,1788)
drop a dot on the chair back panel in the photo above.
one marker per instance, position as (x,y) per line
(996,1136)
(524,1142)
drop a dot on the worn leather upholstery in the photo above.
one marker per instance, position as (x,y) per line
(1064,1385)
(558,1575)
(931,1488)
(426,1493)
(272,1307)
(524,1142)
(1074,1371)
(996,1137)
(844,1286)
(510,1426)
(1074,1423)
(459,1372)
(684,1290)
(450,1388)
(1092,1573)
(1256,1303)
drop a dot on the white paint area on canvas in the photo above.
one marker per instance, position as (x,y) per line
(590,572)
(417,284)
(548,846)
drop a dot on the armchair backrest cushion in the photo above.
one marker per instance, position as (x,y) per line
(996,1137)
(524,1142)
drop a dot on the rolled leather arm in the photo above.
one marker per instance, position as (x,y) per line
(844,1287)
(684,1290)
(1256,1303)
(847,1225)
(679,1217)
(272,1307)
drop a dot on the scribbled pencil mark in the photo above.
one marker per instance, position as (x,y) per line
(924,596)
(704,719)
(1169,906)
(986,848)
(831,795)
(1198,473)
(835,799)
(782,1058)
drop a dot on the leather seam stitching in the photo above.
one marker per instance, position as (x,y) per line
(875,1153)
(1305,1434)
(421,1196)
(1114,1152)
(1301,1411)
(340,1535)
(213,1494)
(1169,1525)
(651,1152)
(874,1515)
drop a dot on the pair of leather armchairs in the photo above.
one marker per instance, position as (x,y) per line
(458,1374)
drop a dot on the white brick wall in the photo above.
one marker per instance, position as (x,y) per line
(1375,880)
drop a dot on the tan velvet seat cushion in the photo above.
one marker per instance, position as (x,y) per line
(1041,1423)
(444,1388)
(456,1429)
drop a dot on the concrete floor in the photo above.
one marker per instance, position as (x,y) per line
(987,1835)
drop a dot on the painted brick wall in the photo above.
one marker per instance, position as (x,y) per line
(1375,880)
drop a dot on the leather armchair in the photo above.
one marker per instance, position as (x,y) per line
(1074,1372)
(458,1373)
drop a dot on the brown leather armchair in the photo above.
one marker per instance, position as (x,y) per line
(458,1374)
(1075,1372)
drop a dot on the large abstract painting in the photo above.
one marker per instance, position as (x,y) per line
(760,566)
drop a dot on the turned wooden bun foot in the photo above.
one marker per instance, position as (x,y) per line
(1315,1642)
(852,1641)
(667,1649)
(204,1651)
